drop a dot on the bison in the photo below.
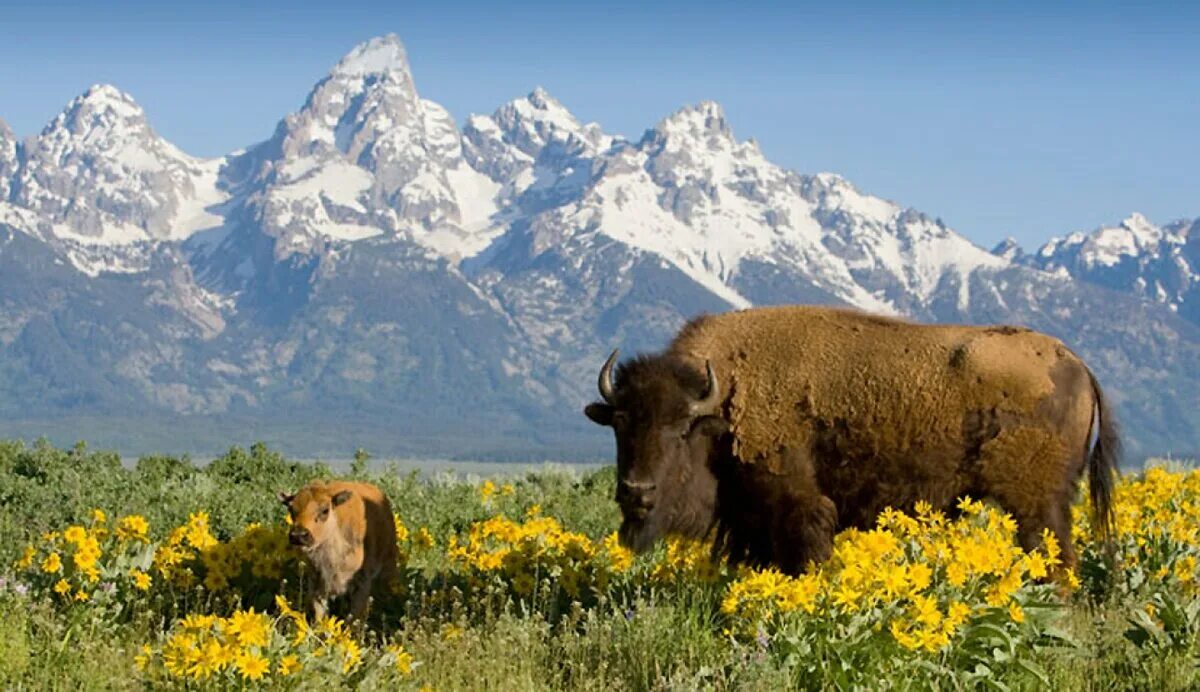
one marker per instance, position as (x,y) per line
(348,534)
(770,429)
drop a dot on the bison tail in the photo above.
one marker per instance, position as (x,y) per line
(1103,465)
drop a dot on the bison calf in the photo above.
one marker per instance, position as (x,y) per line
(347,533)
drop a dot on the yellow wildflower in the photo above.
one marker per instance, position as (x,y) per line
(288,664)
(134,528)
(423,539)
(1185,569)
(919,576)
(1035,565)
(251,666)
(142,660)
(26,558)
(903,637)
(925,611)
(404,660)
(52,564)
(968,506)
(141,580)
(248,628)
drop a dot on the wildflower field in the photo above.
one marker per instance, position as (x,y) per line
(168,575)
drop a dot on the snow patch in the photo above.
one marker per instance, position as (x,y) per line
(475,194)
(378,55)
(198,212)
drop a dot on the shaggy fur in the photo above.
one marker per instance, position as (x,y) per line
(652,422)
(832,415)
(348,535)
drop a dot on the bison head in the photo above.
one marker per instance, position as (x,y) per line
(313,518)
(664,414)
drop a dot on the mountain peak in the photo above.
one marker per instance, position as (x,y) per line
(1009,249)
(109,96)
(539,105)
(1137,222)
(542,99)
(702,120)
(528,125)
(380,55)
(102,105)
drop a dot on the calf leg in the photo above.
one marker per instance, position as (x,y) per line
(320,606)
(360,597)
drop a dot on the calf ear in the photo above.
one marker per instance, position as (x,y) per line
(341,497)
(710,426)
(601,414)
(285,498)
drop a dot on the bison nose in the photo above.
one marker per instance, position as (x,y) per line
(300,537)
(636,496)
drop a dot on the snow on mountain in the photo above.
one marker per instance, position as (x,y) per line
(366,156)
(536,149)
(522,130)
(101,176)
(1009,250)
(690,193)
(899,255)
(8,160)
(1108,246)
(371,260)
(1159,263)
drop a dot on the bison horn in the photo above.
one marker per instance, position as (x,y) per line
(606,385)
(712,395)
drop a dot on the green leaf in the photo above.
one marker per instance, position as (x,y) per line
(1035,670)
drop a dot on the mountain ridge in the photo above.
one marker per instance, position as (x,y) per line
(373,261)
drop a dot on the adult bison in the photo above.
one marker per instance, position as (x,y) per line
(772,428)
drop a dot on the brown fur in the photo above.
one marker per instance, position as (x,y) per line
(348,535)
(833,415)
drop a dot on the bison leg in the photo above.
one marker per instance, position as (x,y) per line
(805,519)
(1029,471)
(805,534)
(1057,518)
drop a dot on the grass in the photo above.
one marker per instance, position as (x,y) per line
(637,634)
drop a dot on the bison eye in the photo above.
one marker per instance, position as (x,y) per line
(323,513)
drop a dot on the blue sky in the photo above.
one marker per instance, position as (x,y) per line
(1023,119)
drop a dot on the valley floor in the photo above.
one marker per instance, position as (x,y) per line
(161,573)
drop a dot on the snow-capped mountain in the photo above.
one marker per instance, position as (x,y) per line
(373,275)
(8,160)
(366,156)
(1158,263)
(101,176)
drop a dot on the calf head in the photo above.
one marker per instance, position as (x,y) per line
(670,438)
(313,520)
